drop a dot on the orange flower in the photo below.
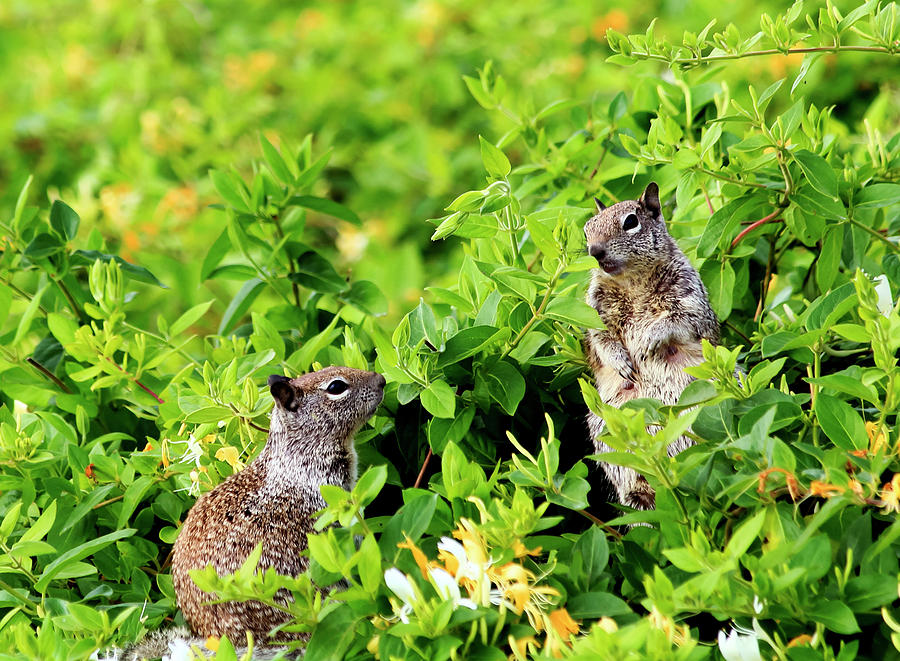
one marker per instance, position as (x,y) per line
(562,623)
(824,490)
(802,639)
(876,441)
(520,551)
(616,19)
(420,558)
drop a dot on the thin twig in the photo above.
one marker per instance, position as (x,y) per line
(597,522)
(762,221)
(50,375)
(771,51)
(135,380)
(422,470)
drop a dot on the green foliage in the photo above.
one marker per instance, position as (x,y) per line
(478,529)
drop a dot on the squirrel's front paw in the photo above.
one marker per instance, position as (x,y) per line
(626,368)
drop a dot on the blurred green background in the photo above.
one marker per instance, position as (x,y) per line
(122,107)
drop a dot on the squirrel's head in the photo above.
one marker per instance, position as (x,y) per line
(628,234)
(328,405)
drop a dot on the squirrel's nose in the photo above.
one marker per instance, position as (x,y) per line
(379,380)
(597,251)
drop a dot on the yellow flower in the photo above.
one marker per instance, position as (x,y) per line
(876,442)
(520,551)
(212,643)
(890,495)
(472,542)
(418,556)
(229,455)
(824,490)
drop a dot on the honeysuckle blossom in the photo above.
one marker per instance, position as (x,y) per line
(739,645)
(447,587)
(401,586)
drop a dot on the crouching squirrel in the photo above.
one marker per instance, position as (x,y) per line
(656,311)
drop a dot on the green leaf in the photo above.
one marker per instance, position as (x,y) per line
(369,565)
(848,385)
(332,636)
(239,305)
(275,161)
(468,342)
(133,495)
(829,259)
(745,535)
(439,399)
(326,206)
(78,553)
(573,311)
(369,485)
(594,605)
(133,271)
(367,297)
(835,615)
(316,273)
(42,246)
(877,196)
(231,188)
(185,320)
(590,554)
(820,175)
(505,384)
(719,277)
(841,423)
(495,161)
(42,526)
(214,255)
(64,220)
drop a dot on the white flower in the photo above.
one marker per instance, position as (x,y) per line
(447,587)
(883,289)
(401,586)
(758,604)
(738,647)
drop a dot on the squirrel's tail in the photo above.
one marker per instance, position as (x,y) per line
(176,643)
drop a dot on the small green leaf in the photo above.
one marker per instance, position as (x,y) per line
(367,297)
(820,175)
(468,342)
(275,161)
(231,189)
(78,553)
(573,311)
(214,255)
(239,305)
(133,271)
(841,423)
(829,259)
(189,317)
(439,399)
(505,384)
(369,485)
(495,161)
(64,220)
(878,195)
(326,206)
(42,246)
(316,273)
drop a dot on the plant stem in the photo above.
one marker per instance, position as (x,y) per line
(422,470)
(597,522)
(68,295)
(537,313)
(762,221)
(50,375)
(877,235)
(758,53)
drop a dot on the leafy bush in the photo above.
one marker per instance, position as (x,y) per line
(781,521)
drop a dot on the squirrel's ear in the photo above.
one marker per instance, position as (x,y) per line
(600,205)
(282,391)
(650,199)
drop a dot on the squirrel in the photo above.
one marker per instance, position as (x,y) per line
(273,500)
(656,312)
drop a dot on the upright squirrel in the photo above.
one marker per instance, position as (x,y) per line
(656,311)
(272,500)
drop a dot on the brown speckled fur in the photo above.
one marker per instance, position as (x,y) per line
(656,311)
(273,499)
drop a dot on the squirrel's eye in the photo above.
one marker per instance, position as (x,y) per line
(336,387)
(630,223)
